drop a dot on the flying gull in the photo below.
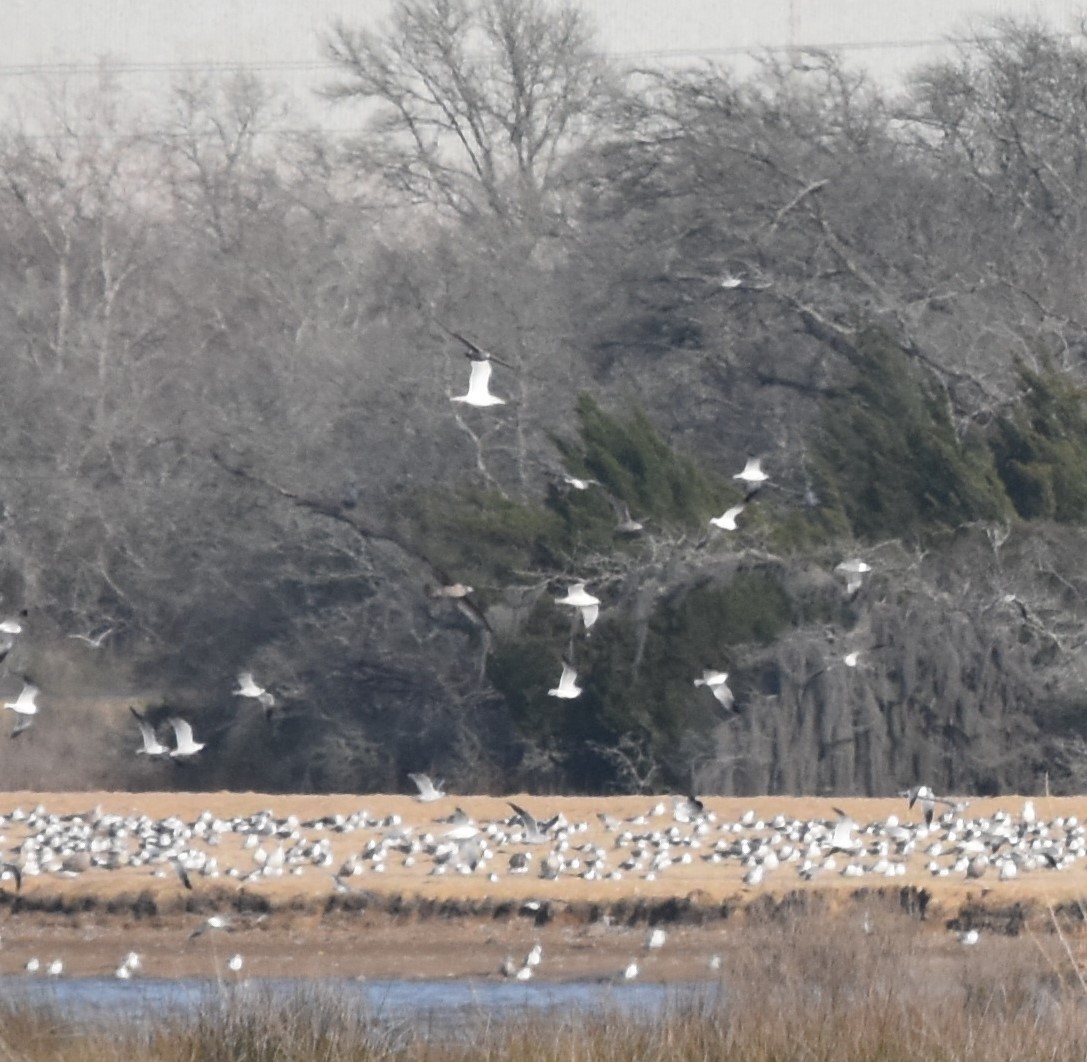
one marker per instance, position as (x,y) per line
(428,791)
(25,703)
(567,688)
(752,477)
(186,746)
(151,744)
(717,682)
(94,638)
(578,597)
(727,520)
(478,393)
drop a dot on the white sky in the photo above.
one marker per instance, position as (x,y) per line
(281,37)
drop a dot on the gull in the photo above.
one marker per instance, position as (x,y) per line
(626,524)
(55,968)
(851,659)
(842,839)
(94,640)
(214,922)
(578,482)
(854,569)
(727,520)
(969,936)
(25,703)
(9,628)
(753,477)
(478,393)
(630,971)
(186,746)
(656,938)
(923,795)
(717,682)
(567,688)
(24,722)
(151,744)
(535,955)
(32,965)
(578,597)
(247,687)
(533,833)
(451,590)
(235,962)
(730,282)
(428,791)
(472,351)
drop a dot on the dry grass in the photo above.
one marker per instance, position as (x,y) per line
(823,990)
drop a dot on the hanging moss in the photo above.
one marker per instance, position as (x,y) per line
(1040,449)
(888,456)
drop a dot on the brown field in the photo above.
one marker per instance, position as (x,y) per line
(412,924)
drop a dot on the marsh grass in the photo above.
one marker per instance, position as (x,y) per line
(829,989)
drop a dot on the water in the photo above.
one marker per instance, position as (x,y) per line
(443,1007)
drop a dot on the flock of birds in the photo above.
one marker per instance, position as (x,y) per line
(752,478)
(680,838)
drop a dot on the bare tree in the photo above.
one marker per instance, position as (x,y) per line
(477,104)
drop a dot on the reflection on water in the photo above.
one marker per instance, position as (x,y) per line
(434,1005)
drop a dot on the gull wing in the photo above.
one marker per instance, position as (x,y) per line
(478,381)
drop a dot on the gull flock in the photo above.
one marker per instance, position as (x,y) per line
(681,840)
(747,851)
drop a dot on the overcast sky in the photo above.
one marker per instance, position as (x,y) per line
(281,37)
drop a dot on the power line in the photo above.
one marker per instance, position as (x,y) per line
(327,65)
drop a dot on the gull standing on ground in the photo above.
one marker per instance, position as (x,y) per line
(752,477)
(151,744)
(428,791)
(567,688)
(186,746)
(578,597)
(727,520)
(717,682)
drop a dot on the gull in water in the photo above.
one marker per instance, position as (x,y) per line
(186,746)
(578,597)
(752,477)
(151,744)
(26,702)
(428,791)
(727,520)
(717,683)
(567,688)
(478,393)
